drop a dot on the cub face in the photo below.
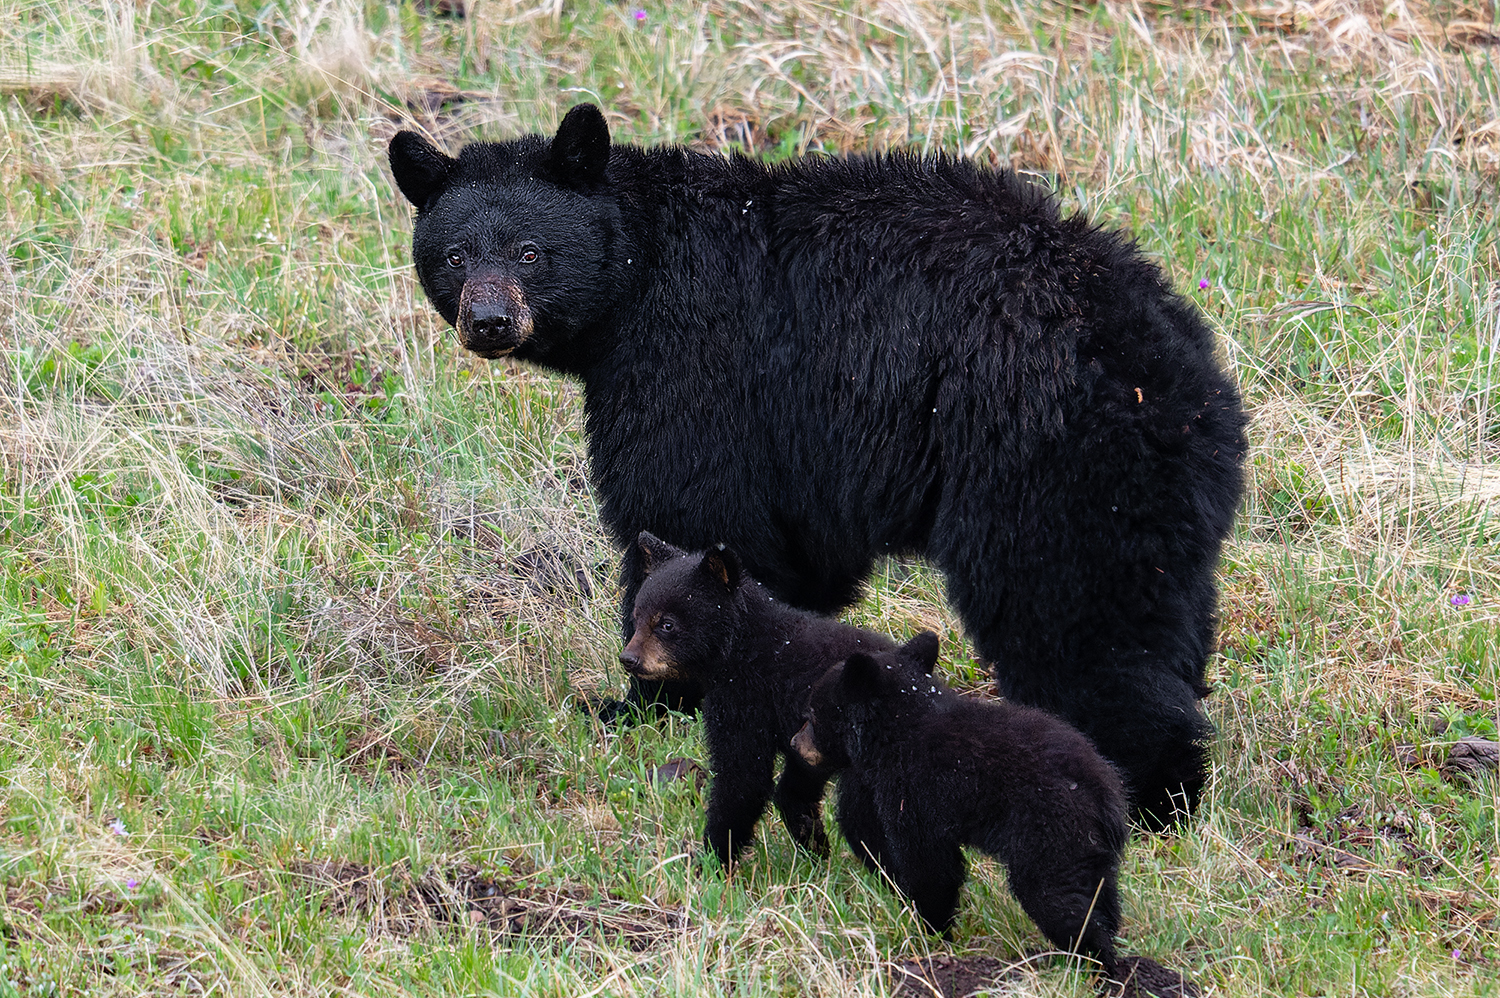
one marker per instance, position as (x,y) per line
(846,696)
(683,612)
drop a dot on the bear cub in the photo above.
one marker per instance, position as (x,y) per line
(701,619)
(937,771)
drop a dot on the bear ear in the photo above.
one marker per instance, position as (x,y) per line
(580,150)
(861,675)
(655,552)
(724,567)
(421,169)
(921,651)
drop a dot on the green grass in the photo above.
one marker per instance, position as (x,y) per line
(297,601)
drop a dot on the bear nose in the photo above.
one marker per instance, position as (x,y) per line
(490,321)
(629,659)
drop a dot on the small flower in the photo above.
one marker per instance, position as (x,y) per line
(1458,954)
(640,16)
(1460,599)
(118,827)
(132,884)
(1203,284)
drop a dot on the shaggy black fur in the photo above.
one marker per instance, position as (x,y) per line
(699,618)
(827,361)
(936,771)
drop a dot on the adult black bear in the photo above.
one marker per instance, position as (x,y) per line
(699,618)
(827,361)
(937,771)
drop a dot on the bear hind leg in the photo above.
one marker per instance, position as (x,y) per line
(1079,913)
(1131,683)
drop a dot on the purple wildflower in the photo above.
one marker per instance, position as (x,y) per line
(1203,284)
(640,16)
(1460,599)
(118,827)
(132,884)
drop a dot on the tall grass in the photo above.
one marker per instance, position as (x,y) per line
(297,601)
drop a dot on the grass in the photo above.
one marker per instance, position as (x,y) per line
(297,601)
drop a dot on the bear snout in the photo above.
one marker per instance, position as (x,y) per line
(645,658)
(493,317)
(803,744)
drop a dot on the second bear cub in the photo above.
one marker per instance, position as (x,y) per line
(698,618)
(939,771)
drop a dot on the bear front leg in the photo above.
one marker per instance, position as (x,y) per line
(736,800)
(933,886)
(860,822)
(799,798)
(929,870)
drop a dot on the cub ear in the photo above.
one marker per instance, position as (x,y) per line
(921,651)
(580,150)
(655,552)
(724,567)
(861,675)
(421,169)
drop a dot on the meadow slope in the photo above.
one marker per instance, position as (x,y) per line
(298,601)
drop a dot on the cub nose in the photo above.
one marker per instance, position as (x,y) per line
(630,660)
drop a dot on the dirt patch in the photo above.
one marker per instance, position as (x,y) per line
(380,634)
(946,976)
(1353,842)
(553,571)
(1137,975)
(370,752)
(398,903)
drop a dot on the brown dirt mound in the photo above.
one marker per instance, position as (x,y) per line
(946,976)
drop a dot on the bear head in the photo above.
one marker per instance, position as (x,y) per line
(852,700)
(684,613)
(517,244)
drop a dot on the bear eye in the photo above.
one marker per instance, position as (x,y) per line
(455,259)
(528,253)
(665,626)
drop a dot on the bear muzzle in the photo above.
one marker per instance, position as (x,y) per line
(644,658)
(493,317)
(803,745)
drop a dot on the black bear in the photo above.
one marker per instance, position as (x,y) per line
(699,618)
(823,362)
(937,771)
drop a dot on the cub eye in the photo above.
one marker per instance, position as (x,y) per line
(455,260)
(528,253)
(665,627)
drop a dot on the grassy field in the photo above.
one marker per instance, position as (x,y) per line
(298,601)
